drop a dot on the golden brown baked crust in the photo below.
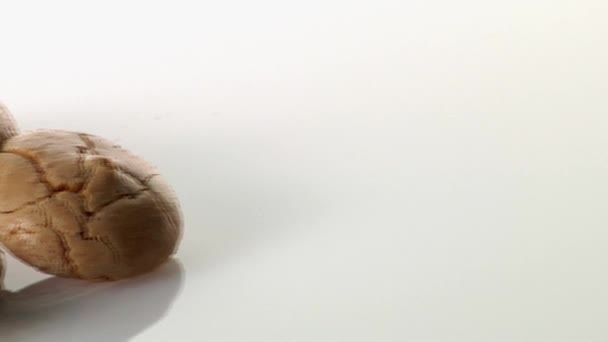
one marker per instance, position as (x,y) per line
(76,205)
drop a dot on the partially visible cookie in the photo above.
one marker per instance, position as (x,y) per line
(2,271)
(8,127)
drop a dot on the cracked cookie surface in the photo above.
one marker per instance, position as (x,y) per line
(76,205)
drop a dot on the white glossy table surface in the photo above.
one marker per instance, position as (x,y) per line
(349,170)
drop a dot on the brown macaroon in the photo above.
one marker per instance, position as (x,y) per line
(76,205)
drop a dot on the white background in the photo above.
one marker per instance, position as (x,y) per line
(349,170)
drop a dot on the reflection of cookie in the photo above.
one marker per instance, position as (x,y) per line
(75,205)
